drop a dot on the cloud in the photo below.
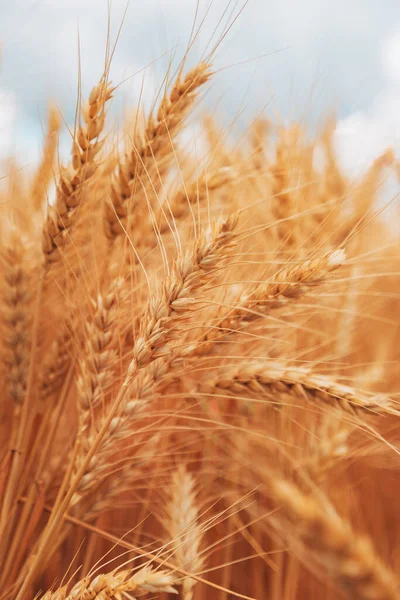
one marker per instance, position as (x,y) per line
(391,58)
(308,57)
(363,135)
(7,121)
(325,41)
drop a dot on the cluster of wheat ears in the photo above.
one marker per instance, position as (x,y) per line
(199,363)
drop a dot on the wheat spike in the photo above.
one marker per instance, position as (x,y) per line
(348,559)
(183,527)
(87,144)
(115,585)
(273,379)
(16,317)
(153,151)
(99,353)
(170,304)
(173,300)
(44,172)
(195,193)
(288,285)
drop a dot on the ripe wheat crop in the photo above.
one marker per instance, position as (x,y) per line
(199,363)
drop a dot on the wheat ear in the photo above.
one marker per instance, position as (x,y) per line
(285,177)
(288,285)
(16,316)
(183,527)
(348,559)
(73,179)
(99,353)
(152,150)
(196,192)
(169,304)
(330,449)
(117,585)
(44,173)
(272,379)
(56,362)
(174,299)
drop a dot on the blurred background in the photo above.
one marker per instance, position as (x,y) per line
(287,58)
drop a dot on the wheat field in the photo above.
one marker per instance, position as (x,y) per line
(199,361)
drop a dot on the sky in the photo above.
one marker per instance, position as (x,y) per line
(290,58)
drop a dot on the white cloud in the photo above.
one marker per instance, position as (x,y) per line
(332,45)
(7,122)
(40,39)
(391,57)
(363,135)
